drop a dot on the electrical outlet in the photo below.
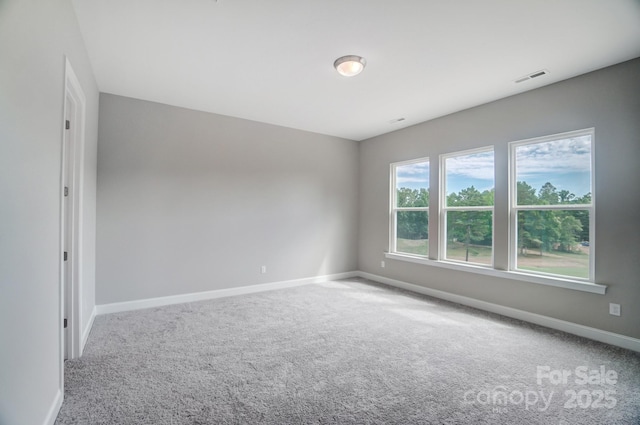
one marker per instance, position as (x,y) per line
(614,309)
(382,264)
(263,269)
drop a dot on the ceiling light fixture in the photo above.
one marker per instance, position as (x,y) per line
(350,65)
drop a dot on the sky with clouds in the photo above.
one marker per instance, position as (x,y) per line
(565,163)
(474,169)
(413,176)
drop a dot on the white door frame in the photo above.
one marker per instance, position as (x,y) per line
(71,218)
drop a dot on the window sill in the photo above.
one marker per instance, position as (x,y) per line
(559,282)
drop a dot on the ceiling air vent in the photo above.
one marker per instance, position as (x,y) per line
(532,76)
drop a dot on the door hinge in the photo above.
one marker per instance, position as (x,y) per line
(67,124)
(66,191)
(65,256)
(64,323)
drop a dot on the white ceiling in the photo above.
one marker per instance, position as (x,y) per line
(272,61)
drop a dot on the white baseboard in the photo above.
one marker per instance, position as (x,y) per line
(52,415)
(87,330)
(569,327)
(218,293)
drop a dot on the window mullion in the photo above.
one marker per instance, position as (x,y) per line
(553,207)
(470,208)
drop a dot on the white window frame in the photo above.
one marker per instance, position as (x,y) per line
(509,244)
(442,243)
(393,210)
(514,208)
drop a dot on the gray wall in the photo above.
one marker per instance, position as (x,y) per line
(191,201)
(608,100)
(35,36)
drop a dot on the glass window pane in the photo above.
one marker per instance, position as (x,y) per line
(470,236)
(412,185)
(555,172)
(412,232)
(469,179)
(555,242)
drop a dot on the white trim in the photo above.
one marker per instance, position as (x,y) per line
(607,337)
(559,282)
(217,293)
(52,414)
(73,90)
(87,330)
(553,207)
(476,208)
(61,268)
(618,340)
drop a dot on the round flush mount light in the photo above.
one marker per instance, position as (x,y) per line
(350,65)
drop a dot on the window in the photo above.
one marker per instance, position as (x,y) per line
(467,206)
(410,207)
(545,209)
(552,212)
